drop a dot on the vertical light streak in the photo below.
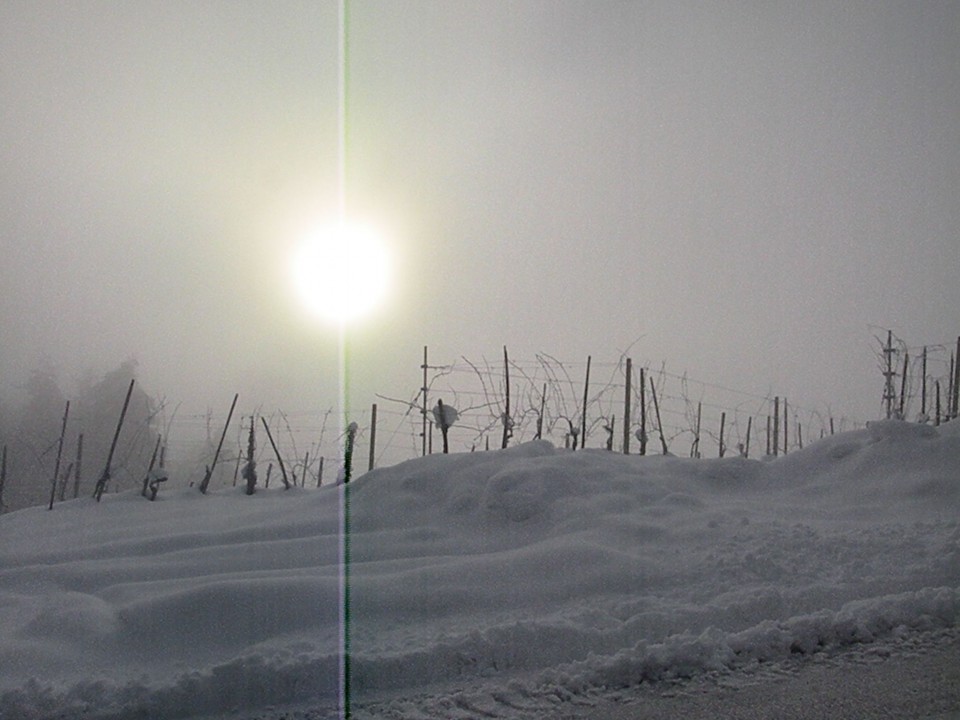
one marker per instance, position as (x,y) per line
(344,501)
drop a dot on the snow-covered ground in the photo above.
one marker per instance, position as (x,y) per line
(530,582)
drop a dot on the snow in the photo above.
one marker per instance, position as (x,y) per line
(506,582)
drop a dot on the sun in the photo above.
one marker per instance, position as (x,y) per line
(342,272)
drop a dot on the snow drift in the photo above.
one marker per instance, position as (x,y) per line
(508,580)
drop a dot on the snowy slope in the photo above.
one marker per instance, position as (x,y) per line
(507,581)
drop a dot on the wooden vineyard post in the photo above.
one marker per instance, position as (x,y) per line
(105,475)
(506,419)
(205,483)
(250,467)
(948,398)
(723,420)
(583,418)
(373,436)
(3,476)
(543,403)
(936,414)
(656,410)
(956,381)
(888,374)
(768,434)
(643,413)
(786,434)
(776,426)
(283,469)
(56,471)
(923,385)
(939,406)
(800,435)
(153,460)
(348,452)
(626,409)
(903,386)
(746,447)
(423,410)
(76,467)
(319,472)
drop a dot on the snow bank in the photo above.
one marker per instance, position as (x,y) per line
(528,575)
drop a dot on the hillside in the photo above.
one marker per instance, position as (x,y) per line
(503,582)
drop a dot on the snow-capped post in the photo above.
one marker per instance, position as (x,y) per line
(105,475)
(283,469)
(507,420)
(583,418)
(445,416)
(56,470)
(250,468)
(626,408)
(205,483)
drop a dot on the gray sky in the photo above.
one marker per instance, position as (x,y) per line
(750,188)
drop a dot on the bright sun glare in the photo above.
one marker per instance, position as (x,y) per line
(342,272)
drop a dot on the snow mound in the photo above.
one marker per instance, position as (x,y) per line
(528,575)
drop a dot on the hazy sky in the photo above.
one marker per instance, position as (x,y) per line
(750,188)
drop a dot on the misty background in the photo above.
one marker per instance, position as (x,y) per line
(749,193)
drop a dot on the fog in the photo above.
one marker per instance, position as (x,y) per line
(749,193)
